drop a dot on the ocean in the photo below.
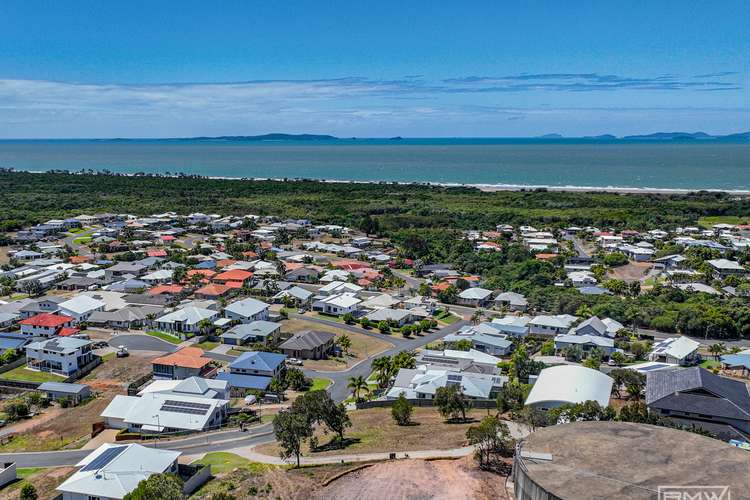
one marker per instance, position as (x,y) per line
(492,162)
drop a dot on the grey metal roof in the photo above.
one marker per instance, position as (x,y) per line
(695,390)
(309,339)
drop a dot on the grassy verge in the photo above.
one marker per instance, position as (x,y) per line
(25,375)
(165,336)
(320,384)
(82,240)
(24,472)
(710,363)
(223,462)
(207,345)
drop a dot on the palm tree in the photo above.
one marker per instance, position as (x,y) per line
(717,349)
(357,384)
(383,366)
(476,317)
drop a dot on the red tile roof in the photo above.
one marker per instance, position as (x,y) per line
(172,289)
(46,319)
(187,357)
(213,290)
(234,275)
(225,262)
(68,331)
(205,272)
(157,252)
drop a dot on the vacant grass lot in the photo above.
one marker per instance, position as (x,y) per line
(708,222)
(363,346)
(374,430)
(24,374)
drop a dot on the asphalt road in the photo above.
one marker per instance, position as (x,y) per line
(339,390)
(142,343)
(204,443)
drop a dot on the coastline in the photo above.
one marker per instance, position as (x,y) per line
(487,188)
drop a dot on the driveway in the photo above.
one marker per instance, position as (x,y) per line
(142,343)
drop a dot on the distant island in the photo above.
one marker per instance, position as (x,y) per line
(282,137)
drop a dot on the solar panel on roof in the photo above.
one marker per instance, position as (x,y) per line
(186,407)
(104,458)
(454,378)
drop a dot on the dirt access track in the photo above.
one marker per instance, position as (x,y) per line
(417,479)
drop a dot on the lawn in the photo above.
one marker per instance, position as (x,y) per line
(207,345)
(446,317)
(165,336)
(708,222)
(710,363)
(320,384)
(25,375)
(222,462)
(374,431)
(44,479)
(24,472)
(82,240)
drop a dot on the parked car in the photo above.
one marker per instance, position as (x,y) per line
(294,361)
(122,351)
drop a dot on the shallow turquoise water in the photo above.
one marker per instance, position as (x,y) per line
(469,161)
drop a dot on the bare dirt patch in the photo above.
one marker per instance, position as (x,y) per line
(59,428)
(416,479)
(363,346)
(45,481)
(634,271)
(374,431)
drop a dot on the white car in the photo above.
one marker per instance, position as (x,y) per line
(294,361)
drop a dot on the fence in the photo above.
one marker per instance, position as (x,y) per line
(18,384)
(137,384)
(13,364)
(85,370)
(385,403)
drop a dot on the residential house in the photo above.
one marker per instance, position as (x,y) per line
(184,363)
(484,337)
(253,370)
(475,297)
(127,317)
(75,393)
(676,350)
(473,361)
(723,268)
(399,317)
(296,295)
(247,310)
(694,397)
(586,342)
(114,470)
(511,301)
(186,320)
(256,332)
(192,386)
(308,344)
(123,268)
(61,355)
(551,325)
(303,275)
(80,307)
(45,325)
(515,326)
(423,383)
(338,304)
(156,412)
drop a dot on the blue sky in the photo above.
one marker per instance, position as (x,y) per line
(369,69)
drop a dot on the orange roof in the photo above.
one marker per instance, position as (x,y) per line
(205,272)
(473,278)
(79,259)
(167,237)
(234,275)
(158,290)
(68,331)
(266,245)
(250,253)
(364,282)
(213,290)
(545,256)
(46,319)
(441,286)
(225,262)
(187,357)
(291,266)
(234,284)
(156,252)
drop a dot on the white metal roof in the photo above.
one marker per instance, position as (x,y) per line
(122,468)
(570,384)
